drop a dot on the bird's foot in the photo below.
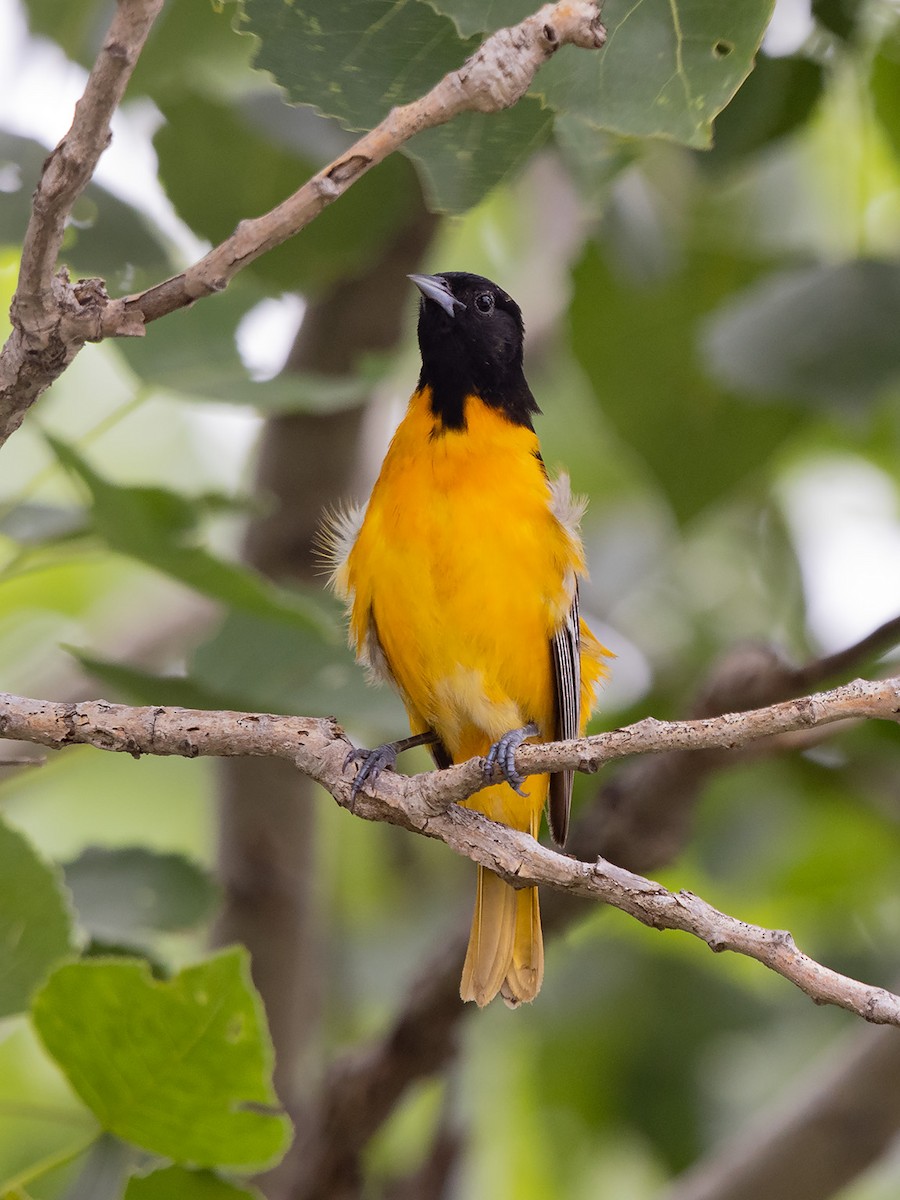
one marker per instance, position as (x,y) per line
(370,765)
(503,755)
(382,758)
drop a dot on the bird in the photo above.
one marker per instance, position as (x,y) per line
(461,576)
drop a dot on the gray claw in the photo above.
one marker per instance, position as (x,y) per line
(503,755)
(371,764)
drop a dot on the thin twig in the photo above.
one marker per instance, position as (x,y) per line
(51,318)
(881,640)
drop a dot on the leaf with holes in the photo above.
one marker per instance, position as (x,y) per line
(180,1068)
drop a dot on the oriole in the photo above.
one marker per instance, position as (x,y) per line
(461,580)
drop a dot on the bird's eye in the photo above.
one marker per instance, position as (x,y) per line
(484,302)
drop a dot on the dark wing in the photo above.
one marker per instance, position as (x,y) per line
(566,652)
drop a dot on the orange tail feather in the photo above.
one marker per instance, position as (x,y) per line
(506,949)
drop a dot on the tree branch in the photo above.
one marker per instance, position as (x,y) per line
(426,803)
(52,319)
(639,818)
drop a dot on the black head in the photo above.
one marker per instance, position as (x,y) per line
(471,337)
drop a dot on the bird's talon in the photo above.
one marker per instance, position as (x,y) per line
(371,764)
(503,755)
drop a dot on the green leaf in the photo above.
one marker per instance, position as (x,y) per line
(483,16)
(180,1068)
(213,198)
(825,335)
(178,1183)
(252,664)
(462,161)
(121,895)
(35,920)
(143,687)
(105,237)
(636,339)
(157,527)
(272,669)
(594,156)
(777,98)
(668,67)
(355,59)
(839,16)
(192,47)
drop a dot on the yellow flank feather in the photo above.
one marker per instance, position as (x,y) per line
(460,576)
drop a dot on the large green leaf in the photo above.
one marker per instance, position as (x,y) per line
(483,16)
(827,335)
(636,339)
(122,894)
(143,687)
(669,66)
(178,1183)
(458,159)
(355,59)
(180,1068)
(252,664)
(212,197)
(105,237)
(777,98)
(35,921)
(158,527)
(271,668)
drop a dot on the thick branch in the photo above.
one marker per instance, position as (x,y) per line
(425,803)
(52,319)
(317,745)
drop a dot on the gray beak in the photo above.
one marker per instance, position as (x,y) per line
(434,288)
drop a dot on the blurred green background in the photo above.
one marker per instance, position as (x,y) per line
(713,339)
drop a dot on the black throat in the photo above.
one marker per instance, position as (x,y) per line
(452,378)
(472,337)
